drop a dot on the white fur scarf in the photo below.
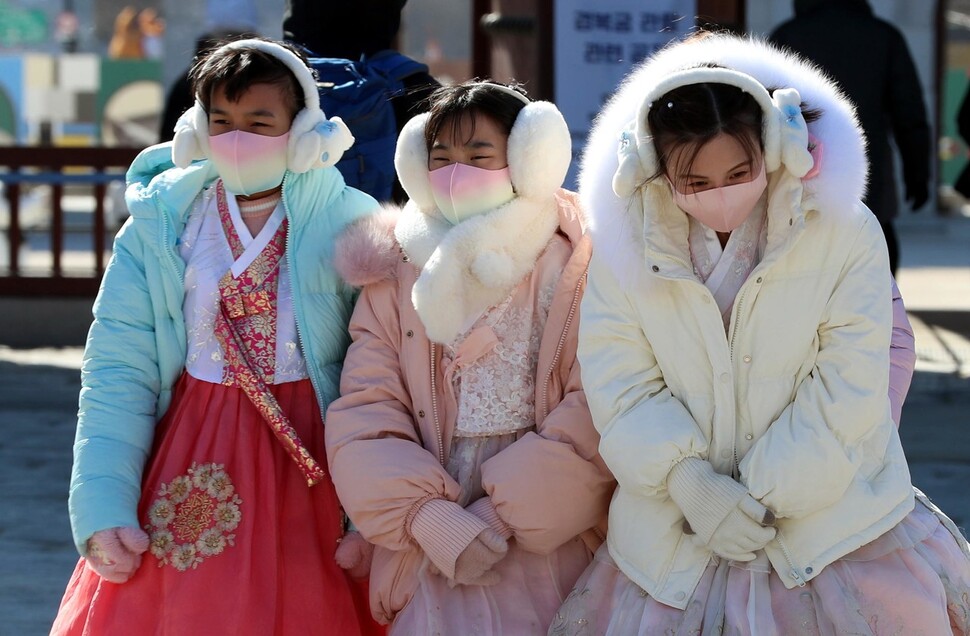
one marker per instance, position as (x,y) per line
(467,268)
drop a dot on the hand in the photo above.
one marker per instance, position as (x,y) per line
(917,195)
(354,554)
(474,564)
(742,532)
(704,496)
(719,510)
(444,530)
(115,553)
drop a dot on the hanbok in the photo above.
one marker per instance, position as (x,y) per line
(240,510)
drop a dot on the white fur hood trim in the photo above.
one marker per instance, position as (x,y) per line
(616,223)
(469,267)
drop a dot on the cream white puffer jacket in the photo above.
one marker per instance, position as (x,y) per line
(794,400)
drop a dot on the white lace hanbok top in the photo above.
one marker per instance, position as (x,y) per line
(492,369)
(207,255)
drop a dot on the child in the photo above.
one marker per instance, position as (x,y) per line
(461,445)
(219,332)
(734,341)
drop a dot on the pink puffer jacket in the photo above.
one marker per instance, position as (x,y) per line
(389,434)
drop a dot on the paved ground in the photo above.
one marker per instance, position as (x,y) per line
(38,401)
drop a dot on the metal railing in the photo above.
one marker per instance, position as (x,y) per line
(90,169)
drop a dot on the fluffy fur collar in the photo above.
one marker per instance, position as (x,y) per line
(465,269)
(617,223)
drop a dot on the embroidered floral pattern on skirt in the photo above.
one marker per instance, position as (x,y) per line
(194,517)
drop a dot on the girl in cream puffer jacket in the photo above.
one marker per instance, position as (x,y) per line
(462,445)
(735,353)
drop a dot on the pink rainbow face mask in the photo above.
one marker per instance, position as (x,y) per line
(249,163)
(723,209)
(462,191)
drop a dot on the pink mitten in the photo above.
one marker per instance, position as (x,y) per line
(474,564)
(354,554)
(444,531)
(115,553)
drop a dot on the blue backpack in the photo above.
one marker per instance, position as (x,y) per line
(359,93)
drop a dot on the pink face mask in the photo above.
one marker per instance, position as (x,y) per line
(249,163)
(723,209)
(462,191)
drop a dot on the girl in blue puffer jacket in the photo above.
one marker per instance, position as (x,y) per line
(200,500)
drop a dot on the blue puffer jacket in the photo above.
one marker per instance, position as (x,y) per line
(136,347)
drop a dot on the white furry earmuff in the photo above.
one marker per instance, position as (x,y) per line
(539,152)
(784,131)
(315,141)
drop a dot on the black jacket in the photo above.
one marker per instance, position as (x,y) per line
(869,59)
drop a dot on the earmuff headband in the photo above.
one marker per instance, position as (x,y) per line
(502,88)
(292,61)
(315,141)
(784,132)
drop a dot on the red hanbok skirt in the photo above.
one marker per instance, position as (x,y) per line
(239,543)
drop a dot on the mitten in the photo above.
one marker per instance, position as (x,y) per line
(719,510)
(443,529)
(474,564)
(741,534)
(485,510)
(115,553)
(354,554)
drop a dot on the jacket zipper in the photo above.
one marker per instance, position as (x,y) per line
(170,249)
(562,342)
(434,407)
(734,438)
(297,306)
(791,563)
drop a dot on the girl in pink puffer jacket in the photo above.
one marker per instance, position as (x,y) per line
(462,446)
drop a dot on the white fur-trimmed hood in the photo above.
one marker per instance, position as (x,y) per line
(838,183)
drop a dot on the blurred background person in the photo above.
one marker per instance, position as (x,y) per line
(137,35)
(869,59)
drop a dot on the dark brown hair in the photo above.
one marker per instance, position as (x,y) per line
(449,105)
(235,70)
(690,116)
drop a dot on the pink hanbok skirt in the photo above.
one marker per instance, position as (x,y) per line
(532,586)
(523,603)
(913,580)
(239,543)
